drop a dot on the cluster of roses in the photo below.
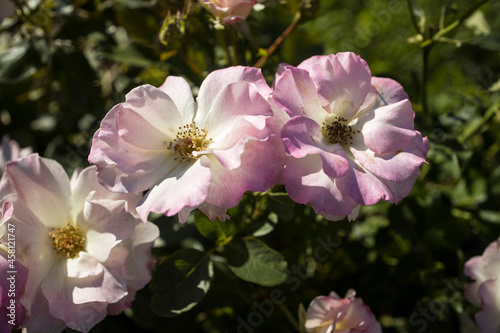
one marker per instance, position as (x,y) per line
(333,135)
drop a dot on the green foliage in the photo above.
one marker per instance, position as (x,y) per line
(252,260)
(180,282)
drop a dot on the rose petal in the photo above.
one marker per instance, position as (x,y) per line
(43,184)
(343,79)
(215,82)
(257,167)
(302,137)
(389,128)
(306,182)
(296,93)
(397,167)
(178,89)
(487,318)
(186,186)
(106,223)
(85,181)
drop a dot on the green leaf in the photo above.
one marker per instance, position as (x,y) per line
(215,230)
(131,55)
(253,261)
(478,24)
(17,63)
(262,227)
(180,282)
(173,30)
(490,216)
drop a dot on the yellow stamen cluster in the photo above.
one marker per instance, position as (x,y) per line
(190,138)
(68,241)
(338,131)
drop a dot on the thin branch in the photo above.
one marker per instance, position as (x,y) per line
(278,40)
(454,24)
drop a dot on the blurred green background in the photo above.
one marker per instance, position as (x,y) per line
(64,64)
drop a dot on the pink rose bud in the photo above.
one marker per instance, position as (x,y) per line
(229,11)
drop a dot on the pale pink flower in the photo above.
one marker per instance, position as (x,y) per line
(485,291)
(332,314)
(10,150)
(229,11)
(190,155)
(87,253)
(351,135)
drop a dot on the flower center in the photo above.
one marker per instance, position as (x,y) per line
(190,138)
(68,241)
(338,131)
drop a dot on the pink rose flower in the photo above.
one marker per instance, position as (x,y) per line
(485,291)
(10,150)
(351,135)
(329,314)
(190,155)
(87,253)
(229,11)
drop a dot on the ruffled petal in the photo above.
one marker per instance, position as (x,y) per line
(257,168)
(389,128)
(319,311)
(302,136)
(123,167)
(40,258)
(215,82)
(235,102)
(185,186)
(139,263)
(58,292)
(113,179)
(275,124)
(480,269)
(296,93)
(107,223)
(487,318)
(43,187)
(398,166)
(85,181)
(229,128)
(148,110)
(307,183)
(363,187)
(388,91)
(343,79)
(178,89)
